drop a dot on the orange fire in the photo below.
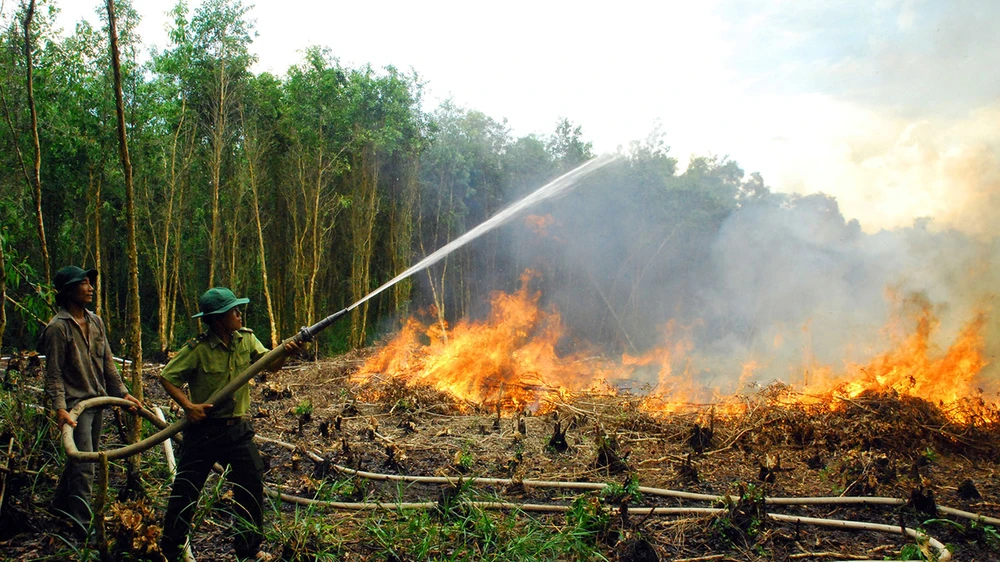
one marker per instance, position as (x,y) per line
(539,224)
(913,367)
(510,359)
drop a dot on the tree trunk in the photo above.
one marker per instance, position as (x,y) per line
(3,293)
(133,485)
(401,232)
(316,233)
(363,214)
(236,204)
(46,266)
(164,235)
(253,153)
(218,140)
(98,300)
(300,226)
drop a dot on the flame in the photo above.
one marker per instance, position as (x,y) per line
(912,367)
(510,361)
(540,224)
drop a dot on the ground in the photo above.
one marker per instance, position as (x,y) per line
(314,418)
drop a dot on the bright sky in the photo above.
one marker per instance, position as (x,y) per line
(891,106)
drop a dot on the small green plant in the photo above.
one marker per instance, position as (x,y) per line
(617,493)
(405,404)
(473,533)
(589,519)
(304,407)
(911,551)
(464,459)
(305,534)
(744,518)
(987,533)
(930,455)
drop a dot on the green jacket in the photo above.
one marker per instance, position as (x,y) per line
(205,364)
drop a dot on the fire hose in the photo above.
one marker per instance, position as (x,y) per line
(940,551)
(306,334)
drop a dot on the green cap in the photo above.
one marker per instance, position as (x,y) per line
(217,300)
(70,275)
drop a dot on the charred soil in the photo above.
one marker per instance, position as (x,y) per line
(314,419)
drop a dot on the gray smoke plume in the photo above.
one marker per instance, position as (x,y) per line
(785,282)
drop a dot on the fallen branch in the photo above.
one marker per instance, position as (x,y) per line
(838,555)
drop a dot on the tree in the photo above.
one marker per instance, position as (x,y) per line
(318,138)
(221,38)
(257,141)
(383,116)
(34,179)
(567,147)
(134,320)
(3,289)
(462,184)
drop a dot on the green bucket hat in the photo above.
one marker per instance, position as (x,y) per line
(216,301)
(70,275)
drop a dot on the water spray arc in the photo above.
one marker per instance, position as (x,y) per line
(551,190)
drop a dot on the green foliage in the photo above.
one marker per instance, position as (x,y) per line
(304,407)
(27,289)
(627,492)
(567,146)
(308,534)
(987,534)
(930,455)
(464,459)
(475,534)
(744,518)
(33,433)
(588,519)
(354,181)
(912,552)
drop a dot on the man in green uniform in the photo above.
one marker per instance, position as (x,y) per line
(217,432)
(78,366)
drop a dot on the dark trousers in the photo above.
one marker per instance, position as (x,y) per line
(229,443)
(77,481)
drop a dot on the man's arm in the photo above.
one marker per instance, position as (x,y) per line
(195,412)
(259,350)
(53,345)
(178,371)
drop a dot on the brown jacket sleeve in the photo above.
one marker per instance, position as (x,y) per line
(53,344)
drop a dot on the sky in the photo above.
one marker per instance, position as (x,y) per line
(891,106)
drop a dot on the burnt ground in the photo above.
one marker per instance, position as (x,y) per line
(875,445)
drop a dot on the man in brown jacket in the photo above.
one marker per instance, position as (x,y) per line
(78,366)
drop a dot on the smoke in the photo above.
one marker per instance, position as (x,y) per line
(815,288)
(783,283)
(950,172)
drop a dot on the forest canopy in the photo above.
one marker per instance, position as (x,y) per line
(303,191)
(306,191)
